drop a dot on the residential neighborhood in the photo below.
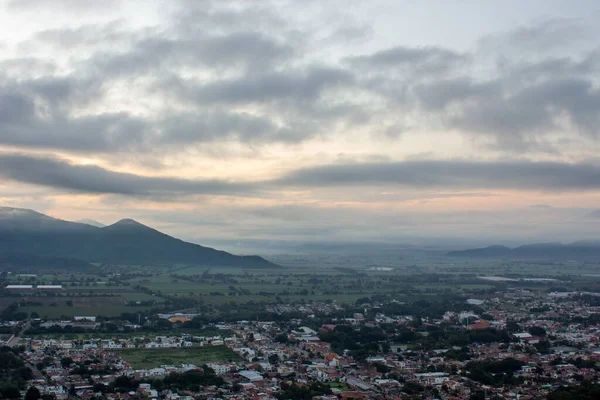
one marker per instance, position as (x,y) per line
(512,345)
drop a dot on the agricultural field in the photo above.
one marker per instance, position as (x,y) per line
(151,358)
(343,279)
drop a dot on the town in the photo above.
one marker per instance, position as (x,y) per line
(512,343)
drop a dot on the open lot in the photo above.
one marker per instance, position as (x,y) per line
(150,358)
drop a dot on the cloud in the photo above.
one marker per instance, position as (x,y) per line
(160,52)
(422,59)
(298,86)
(71,5)
(60,174)
(545,35)
(456,174)
(534,109)
(35,115)
(208,73)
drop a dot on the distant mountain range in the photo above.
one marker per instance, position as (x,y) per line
(26,235)
(581,250)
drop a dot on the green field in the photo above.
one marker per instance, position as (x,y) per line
(151,358)
(222,291)
(47,312)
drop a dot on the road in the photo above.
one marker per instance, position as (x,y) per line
(14,341)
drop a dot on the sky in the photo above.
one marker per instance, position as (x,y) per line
(268,122)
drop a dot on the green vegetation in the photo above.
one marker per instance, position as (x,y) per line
(494,372)
(422,287)
(307,392)
(150,358)
(13,373)
(585,391)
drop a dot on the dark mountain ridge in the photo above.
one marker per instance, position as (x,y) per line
(580,250)
(27,232)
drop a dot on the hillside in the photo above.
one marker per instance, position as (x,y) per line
(581,250)
(27,232)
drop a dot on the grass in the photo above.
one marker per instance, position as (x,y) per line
(141,297)
(339,385)
(151,358)
(56,312)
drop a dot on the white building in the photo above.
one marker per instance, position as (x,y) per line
(220,369)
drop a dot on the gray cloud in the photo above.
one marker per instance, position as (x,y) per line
(457,174)
(298,86)
(33,115)
(543,36)
(63,175)
(534,109)
(208,65)
(70,5)
(424,59)
(160,52)
(246,128)
(425,174)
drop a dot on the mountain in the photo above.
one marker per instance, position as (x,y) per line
(490,251)
(18,261)
(581,250)
(29,233)
(91,222)
(595,214)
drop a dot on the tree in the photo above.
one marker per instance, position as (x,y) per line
(385,347)
(478,395)
(512,326)
(281,338)
(66,362)
(273,359)
(537,331)
(33,394)
(10,392)
(99,388)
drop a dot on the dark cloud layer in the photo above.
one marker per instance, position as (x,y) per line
(429,174)
(63,175)
(458,174)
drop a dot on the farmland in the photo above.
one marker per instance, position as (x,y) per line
(114,290)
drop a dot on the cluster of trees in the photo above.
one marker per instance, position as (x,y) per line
(13,372)
(305,392)
(420,308)
(585,391)
(189,380)
(449,336)
(33,393)
(491,372)
(362,342)
(12,313)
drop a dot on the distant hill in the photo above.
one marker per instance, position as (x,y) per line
(595,214)
(91,222)
(582,250)
(29,233)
